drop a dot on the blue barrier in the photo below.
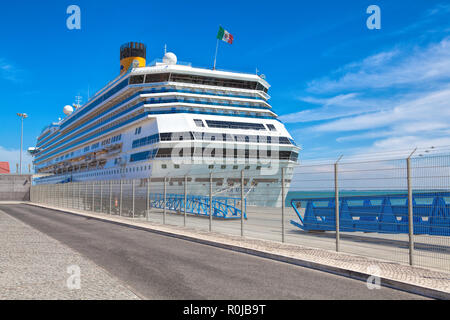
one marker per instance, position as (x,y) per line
(223,207)
(380,213)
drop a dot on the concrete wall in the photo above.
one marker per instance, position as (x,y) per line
(15,187)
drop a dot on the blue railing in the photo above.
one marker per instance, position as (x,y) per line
(380,213)
(41,141)
(193,101)
(223,207)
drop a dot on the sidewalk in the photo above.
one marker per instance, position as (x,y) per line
(418,280)
(34,266)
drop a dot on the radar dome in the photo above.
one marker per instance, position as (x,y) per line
(170,58)
(68,110)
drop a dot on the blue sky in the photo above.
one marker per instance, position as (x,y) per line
(339,87)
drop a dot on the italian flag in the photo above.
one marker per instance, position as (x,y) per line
(224,35)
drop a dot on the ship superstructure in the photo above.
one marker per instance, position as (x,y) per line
(169,119)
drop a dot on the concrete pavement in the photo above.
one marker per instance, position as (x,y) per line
(35,266)
(161,267)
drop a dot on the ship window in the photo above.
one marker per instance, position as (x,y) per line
(159,77)
(145,141)
(138,130)
(164,166)
(164,153)
(235,125)
(271,127)
(146,155)
(137,79)
(230,83)
(199,123)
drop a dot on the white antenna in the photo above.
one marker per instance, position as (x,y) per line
(165,49)
(78,100)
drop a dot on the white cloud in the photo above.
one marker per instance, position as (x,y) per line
(393,100)
(9,72)
(13,156)
(343,105)
(398,67)
(417,113)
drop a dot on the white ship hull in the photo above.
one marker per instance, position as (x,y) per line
(137,126)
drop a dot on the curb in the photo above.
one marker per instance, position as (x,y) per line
(386,282)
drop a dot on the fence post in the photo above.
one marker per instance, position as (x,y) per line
(336,203)
(101,196)
(410,210)
(93,197)
(242,203)
(165,200)
(210,201)
(120,204)
(65,195)
(148,199)
(185,199)
(283,209)
(110,197)
(85,196)
(133,195)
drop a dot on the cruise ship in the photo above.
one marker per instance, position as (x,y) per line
(170,119)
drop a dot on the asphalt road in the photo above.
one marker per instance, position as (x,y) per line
(162,267)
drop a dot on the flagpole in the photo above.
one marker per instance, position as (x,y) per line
(215,57)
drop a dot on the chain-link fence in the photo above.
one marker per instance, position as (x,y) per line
(397,210)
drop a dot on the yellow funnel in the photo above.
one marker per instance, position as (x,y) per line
(132,51)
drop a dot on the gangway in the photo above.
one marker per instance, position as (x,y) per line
(379,213)
(223,207)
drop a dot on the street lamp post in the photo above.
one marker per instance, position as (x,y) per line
(22,116)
